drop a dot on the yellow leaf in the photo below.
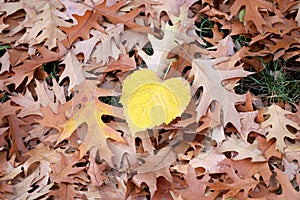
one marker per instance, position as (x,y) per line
(148,101)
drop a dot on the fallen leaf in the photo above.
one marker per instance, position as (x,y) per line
(196,188)
(149,102)
(91,113)
(243,148)
(235,185)
(252,13)
(210,78)
(209,161)
(278,122)
(73,70)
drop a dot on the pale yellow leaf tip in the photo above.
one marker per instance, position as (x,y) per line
(148,101)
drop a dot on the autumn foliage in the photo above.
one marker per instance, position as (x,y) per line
(65,134)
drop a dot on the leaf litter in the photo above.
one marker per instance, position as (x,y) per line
(65,135)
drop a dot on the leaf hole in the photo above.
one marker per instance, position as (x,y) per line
(34,187)
(137,141)
(107,118)
(148,49)
(292,129)
(198,92)
(292,141)
(111,100)
(250,139)
(266,117)
(186,70)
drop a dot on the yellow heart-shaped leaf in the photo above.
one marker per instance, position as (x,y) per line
(148,101)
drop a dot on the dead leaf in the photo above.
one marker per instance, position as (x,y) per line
(73,70)
(252,13)
(91,113)
(243,148)
(278,122)
(203,71)
(236,185)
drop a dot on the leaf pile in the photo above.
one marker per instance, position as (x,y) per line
(64,128)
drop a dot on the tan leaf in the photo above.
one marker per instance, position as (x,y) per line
(22,188)
(91,113)
(196,188)
(24,67)
(155,165)
(150,178)
(224,48)
(73,70)
(249,125)
(66,192)
(164,158)
(16,135)
(210,78)
(45,18)
(85,22)
(5,64)
(278,122)
(7,109)
(288,191)
(292,152)
(243,148)
(268,148)
(159,61)
(96,170)
(209,161)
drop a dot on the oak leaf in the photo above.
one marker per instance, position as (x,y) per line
(209,161)
(7,109)
(278,122)
(96,170)
(22,190)
(4,63)
(73,70)
(156,165)
(243,148)
(16,134)
(252,13)
(247,168)
(249,125)
(234,184)
(42,25)
(292,152)
(91,113)
(94,20)
(65,191)
(196,188)
(288,191)
(159,61)
(85,23)
(207,76)
(24,66)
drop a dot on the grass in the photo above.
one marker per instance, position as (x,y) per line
(52,70)
(204,26)
(4,47)
(111,100)
(273,84)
